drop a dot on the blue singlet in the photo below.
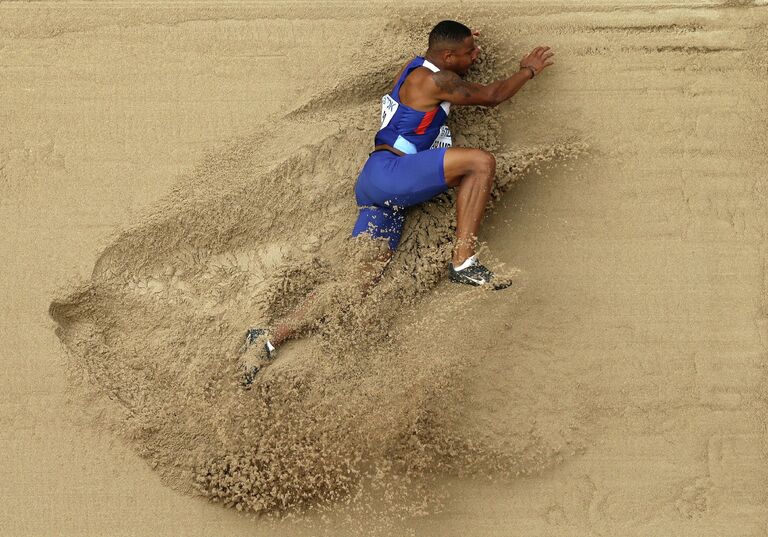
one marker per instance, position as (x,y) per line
(389,183)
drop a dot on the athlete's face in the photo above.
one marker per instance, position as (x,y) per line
(465,55)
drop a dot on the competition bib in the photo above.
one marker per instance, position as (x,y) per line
(388,109)
(443,138)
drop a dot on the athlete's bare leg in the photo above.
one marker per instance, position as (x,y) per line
(472,172)
(370,273)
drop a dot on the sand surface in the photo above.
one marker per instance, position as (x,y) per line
(173,173)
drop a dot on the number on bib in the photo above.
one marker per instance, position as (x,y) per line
(443,138)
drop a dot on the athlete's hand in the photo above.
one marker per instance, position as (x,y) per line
(539,59)
(476,34)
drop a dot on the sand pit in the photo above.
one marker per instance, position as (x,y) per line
(175,174)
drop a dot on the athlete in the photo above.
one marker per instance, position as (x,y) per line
(413,161)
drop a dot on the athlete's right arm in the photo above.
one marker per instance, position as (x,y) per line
(448,86)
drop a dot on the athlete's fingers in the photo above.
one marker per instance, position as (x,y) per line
(475,33)
(547,64)
(548,55)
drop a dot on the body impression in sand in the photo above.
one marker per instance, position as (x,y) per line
(258,235)
(412,162)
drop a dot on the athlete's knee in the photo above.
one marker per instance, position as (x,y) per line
(485,163)
(485,168)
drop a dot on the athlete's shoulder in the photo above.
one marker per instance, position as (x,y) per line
(421,73)
(409,66)
(448,81)
(420,70)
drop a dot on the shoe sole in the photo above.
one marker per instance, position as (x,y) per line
(249,375)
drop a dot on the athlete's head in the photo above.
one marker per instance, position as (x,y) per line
(454,44)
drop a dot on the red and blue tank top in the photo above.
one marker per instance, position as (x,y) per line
(409,130)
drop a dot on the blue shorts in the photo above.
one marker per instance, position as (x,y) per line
(389,183)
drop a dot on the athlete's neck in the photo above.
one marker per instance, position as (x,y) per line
(435,60)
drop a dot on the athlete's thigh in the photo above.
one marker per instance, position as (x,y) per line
(411,179)
(461,161)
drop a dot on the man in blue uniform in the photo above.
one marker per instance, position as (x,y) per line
(413,160)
